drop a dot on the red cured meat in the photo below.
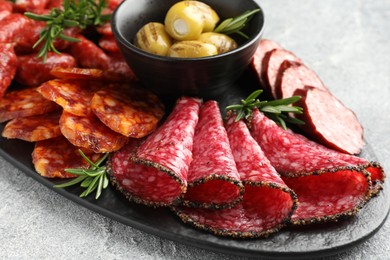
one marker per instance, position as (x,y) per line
(156,173)
(128,109)
(23,103)
(74,96)
(89,55)
(77,73)
(105,29)
(327,187)
(32,71)
(51,158)
(12,27)
(267,204)
(108,43)
(213,179)
(35,6)
(118,70)
(329,121)
(296,76)
(271,67)
(33,128)
(113,4)
(5,8)
(8,63)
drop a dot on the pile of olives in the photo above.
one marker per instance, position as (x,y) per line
(187,32)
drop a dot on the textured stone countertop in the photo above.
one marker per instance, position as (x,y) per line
(346,42)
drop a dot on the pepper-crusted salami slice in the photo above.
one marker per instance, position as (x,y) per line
(213,179)
(329,121)
(73,95)
(156,173)
(51,158)
(8,64)
(267,204)
(89,132)
(296,76)
(32,71)
(327,187)
(22,103)
(271,67)
(128,109)
(33,128)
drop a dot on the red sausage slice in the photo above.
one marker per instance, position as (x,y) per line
(155,174)
(213,179)
(8,64)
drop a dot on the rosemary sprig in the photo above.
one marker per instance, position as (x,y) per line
(93,178)
(277,110)
(75,13)
(234,25)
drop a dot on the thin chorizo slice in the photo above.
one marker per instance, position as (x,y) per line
(51,157)
(23,103)
(90,133)
(33,128)
(128,109)
(77,73)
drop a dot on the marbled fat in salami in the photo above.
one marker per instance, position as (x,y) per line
(90,133)
(267,204)
(51,157)
(73,95)
(8,64)
(33,128)
(155,174)
(327,187)
(128,109)
(33,71)
(25,102)
(213,179)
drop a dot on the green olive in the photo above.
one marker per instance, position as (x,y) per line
(223,42)
(192,49)
(209,16)
(153,38)
(183,21)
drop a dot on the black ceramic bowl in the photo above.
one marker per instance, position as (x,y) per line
(204,77)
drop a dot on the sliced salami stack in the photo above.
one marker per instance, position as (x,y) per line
(329,184)
(213,179)
(155,172)
(267,203)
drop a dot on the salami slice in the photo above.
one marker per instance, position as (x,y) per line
(51,158)
(23,103)
(12,26)
(271,67)
(156,173)
(90,133)
(73,95)
(295,76)
(8,63)
(128,109)
(105,29)
(118,70)
(33,128)
(327,187)
(32,71)
(77,73)
(35,6)
(329,121)
(213,179)
(5,8)
(108,43)
(267,204)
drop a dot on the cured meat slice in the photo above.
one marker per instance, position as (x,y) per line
(156,173)
(33,128)
(90,133)
(128,109)
(213,179)
(5,8)
(271,67)
(12,26)
(32,71)
(295,76)
(73,95)
(327,187)
(8,65)
(51,157)
(264,47)
(118,70)
(329,122)
(35,6)
(108,43)
(23,103)
(77,73)
(105,29)
(267,204)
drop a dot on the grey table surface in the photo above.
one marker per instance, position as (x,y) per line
(346,42)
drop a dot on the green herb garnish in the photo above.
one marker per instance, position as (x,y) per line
(93,178)
(75,13)
(234,25)
(278,110)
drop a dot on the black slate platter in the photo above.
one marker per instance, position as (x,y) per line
(290,243)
